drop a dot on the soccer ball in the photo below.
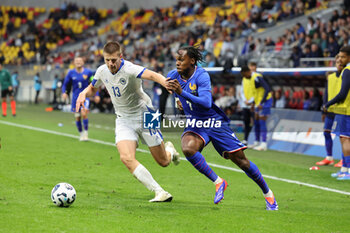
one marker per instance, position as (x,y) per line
(63,194)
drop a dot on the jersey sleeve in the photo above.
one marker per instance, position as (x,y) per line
(97,81)
(171,74)
(204,97)
(136,70)
(260,82)
(67,81)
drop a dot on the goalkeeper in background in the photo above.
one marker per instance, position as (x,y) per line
(6,90)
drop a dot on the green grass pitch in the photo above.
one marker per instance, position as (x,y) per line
(109,199)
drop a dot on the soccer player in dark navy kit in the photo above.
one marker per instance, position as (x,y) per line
(192,87)
(79,78)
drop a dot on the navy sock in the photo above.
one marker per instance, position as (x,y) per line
(257,130)
(346,161)
(198,161)
(86,124)
(328,142)
(263,130)
(79,126)
(254,173)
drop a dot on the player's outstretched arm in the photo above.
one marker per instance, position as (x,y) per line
(90,91)
(154,76)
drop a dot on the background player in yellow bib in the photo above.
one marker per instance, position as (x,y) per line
(263,103)
(340,105)
(331,90)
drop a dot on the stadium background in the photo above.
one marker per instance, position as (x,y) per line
(42,37)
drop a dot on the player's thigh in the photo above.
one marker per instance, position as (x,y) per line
(343,122)
(150,137)
(192,141)
(266,109)
(153,138)
(4,94)
(224,140)
(159,154)
(127,150)
(74,103)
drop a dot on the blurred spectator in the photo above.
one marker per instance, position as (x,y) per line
(15,84)
(280,100)
(54,88)
(333,46)
(228,100)
(316,100)
(37,87)
(295,56)
(307,101)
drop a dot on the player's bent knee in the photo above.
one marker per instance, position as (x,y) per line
(163,162)
(188,151)
(127,159)
(239,159)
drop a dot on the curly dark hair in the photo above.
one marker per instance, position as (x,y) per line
(193,52)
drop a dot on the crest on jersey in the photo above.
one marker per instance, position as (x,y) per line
(193,87)
(85,76)
(122,81)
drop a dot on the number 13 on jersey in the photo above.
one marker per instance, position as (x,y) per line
(116,91)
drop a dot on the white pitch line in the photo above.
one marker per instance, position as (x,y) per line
(146,151)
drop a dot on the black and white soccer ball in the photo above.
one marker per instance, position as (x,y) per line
(63,194)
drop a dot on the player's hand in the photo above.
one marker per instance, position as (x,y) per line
(64,96)
(324,109)
(166,85)
(175,86)
(247,103)
(260,107)
(10,88)
(179,105)
(80,102)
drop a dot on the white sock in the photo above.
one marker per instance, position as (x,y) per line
(268,194)
(145,177)
(171,151)
(344,169)
(329,158)
(218,180)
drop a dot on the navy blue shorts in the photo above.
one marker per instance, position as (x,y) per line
(74,103)
(266,108)
(223,138)
(328,121)
(343,122)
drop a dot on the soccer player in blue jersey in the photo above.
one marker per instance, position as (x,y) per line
(331,91)
(79,78)
(192,87)
(341,107)
(263,103)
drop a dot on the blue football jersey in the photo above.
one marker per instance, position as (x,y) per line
(198,85)
(79,81)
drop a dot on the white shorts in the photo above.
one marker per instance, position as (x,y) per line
(129,129)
